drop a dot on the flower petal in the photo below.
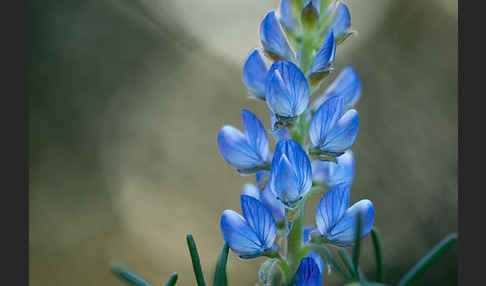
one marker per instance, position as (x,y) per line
(307,274)
(331,208)
(273,39)
(273,205)
(260,220)
(343,232)
(239,235)
(290,169)
(251,190)
(346,85)
(325,55)
(325,118)
(286,183)
(286,89)
(254,74)
(331,173)
(255,134)
(261,178)
(235,149)
(342,136)
(342,22)
(287,17)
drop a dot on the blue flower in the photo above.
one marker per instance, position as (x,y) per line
(273,39)
(245,152)
(290,173)
(254,74)
(324,57)
(342,22)
(286,90)
(287,16)
(333,173)
(331,131)
(336,221)
(308,273)
(268,199)
(252,234)
(346,85)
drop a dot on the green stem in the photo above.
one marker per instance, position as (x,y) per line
(306,52)
(424,263)
(348,262)
(220,278)
(294,242)
(379,258)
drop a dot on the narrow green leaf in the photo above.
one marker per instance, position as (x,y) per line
(380,277)
(128,276)
(172,280)
(357,242)
(220,278)
(419,269)
(196,264)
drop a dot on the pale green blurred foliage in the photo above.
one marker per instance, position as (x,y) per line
(126,99)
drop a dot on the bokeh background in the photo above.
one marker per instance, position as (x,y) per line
(125,101)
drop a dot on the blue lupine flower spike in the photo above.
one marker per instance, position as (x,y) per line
(252,234)
(341,22)
(322,64)
(336,221)
(254,74)
(286,92)
(332,133)
(273,39)
(290,173)
(347,85)
(330,173)
(308,274)
(249,152)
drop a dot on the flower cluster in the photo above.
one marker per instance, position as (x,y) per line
(312,155)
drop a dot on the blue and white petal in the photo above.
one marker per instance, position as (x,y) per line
(344,231)
(342,136)
(272,204)
(273,39)
(291,172)
(239,235)
(308,273)
(346,85)
(251,190)
(235,149)
(254,74)
(342,21)
(331,208)
(287,17)
(286,90)
(325,56)
(324,120)
(260,220)
(245,153)
(255,134)
(333,173)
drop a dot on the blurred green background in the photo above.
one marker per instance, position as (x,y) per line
(126,99)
